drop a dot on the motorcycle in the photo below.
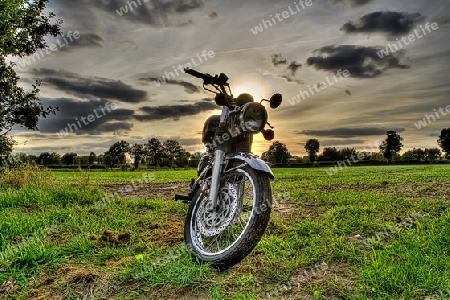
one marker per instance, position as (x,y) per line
(231,200)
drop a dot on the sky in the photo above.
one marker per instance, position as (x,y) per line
(328,58)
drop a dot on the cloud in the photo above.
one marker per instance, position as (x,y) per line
(349,132)
(114,127)
(353,3)
(87,87)
(71,111)
(85,40)
(293,67)
(290,79)
(387,22)
(188,87)
(360,61)
(156,13)
(278,59)
(346,142)
(213,15)
(174,112)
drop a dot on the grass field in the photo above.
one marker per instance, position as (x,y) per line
(364,233)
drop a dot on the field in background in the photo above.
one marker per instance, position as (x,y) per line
(363,233)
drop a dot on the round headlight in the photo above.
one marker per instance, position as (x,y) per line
(253,117)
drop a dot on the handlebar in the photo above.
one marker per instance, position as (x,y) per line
(196,74)
(220,80)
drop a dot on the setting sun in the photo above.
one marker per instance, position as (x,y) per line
(256,90)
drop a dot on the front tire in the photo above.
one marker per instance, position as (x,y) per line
(225,237)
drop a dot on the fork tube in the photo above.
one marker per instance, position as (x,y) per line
(217,168)
(218,161)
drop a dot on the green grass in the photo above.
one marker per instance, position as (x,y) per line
(51,238)
(104,178)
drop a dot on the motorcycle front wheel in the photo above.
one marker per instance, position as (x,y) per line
(223,238)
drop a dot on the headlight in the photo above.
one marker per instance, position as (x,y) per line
(253,117)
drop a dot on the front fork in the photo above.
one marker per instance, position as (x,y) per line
(215,180)
(218,162)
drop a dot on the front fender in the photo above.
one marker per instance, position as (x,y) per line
(254,162)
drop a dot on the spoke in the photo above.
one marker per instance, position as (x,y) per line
(236,193)
(217,243)
(230,234)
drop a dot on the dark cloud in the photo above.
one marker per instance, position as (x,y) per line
(174,112)
(353,3)
(293,67)
(86,40)
(387,22)
(278,59)
(183,6)
(213,15)
(336,143)
(114,127)
(188,87)
(72,111)
(88,87)
(360,61)
(290,79)
(156,13)
(349,132)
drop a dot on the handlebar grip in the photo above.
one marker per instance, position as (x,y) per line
(195,73)
(207,78)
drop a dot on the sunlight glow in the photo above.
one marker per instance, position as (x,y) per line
(254,89)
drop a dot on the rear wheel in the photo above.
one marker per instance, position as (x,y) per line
(225,237)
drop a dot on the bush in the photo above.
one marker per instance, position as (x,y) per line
(26,174)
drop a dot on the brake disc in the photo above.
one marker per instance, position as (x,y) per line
(210,222)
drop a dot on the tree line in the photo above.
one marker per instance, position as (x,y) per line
(154,153)
(388,150)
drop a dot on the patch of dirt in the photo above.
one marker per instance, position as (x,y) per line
(83,283)
(111,238)
(167,234)
(284,207)
(305,277)
(174,294)
(153,190)
(81,276)
(9,287)
(426,189)
(119,263)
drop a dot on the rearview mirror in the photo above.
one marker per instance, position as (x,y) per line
(276,100)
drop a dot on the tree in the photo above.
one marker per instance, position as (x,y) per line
(433,153)
(118,150)
(23,27)
(47,158)
(330,154)
(183,159)
(312,146)
(418,154)
(92,158)
(172,149)
(154,151)
(137,152)
(408,155)
(346,153)
(444,142)
(194,159)
(278,153)
(55,159)
(109,160)
(392,144)
(6,145)
(69,158)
